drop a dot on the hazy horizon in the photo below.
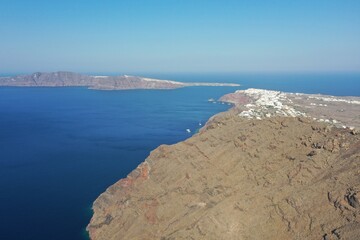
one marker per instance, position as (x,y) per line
(5,74)
(179,36)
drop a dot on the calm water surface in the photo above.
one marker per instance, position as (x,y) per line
(61,147)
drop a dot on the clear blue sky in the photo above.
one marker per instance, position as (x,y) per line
(179,35)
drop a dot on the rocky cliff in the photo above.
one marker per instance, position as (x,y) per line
(263,170)
(70,79)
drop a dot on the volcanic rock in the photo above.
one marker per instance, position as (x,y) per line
(263,170)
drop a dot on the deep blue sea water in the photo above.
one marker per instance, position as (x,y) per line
(61,147)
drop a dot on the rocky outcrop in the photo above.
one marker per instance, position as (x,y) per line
(69,79)
(280,177)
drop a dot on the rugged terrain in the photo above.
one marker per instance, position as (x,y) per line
(70,79)
(263,170)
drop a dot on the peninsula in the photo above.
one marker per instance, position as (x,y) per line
(70,79)
(275,166)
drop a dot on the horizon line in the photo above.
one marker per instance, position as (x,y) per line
(138,73)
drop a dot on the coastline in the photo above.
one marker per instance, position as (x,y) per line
(71,79)
(141,172)
(107,135)
(148,195)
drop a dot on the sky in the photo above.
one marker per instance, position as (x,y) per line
(130,36)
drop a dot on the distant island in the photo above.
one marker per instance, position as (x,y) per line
(71,79)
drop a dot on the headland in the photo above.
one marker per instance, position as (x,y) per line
(275,166)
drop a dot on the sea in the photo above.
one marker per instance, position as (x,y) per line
(62,147)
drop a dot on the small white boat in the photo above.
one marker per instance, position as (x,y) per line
(188,130)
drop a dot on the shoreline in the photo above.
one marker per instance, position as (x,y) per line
(125,82)
(125,196)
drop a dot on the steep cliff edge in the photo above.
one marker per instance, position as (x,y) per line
(244,176)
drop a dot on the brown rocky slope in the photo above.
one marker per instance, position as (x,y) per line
(240,178)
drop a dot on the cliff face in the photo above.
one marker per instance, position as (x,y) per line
(279,177)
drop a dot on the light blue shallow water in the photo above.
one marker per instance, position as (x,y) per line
(61,147)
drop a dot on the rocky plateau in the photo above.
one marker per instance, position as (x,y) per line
(275,166)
